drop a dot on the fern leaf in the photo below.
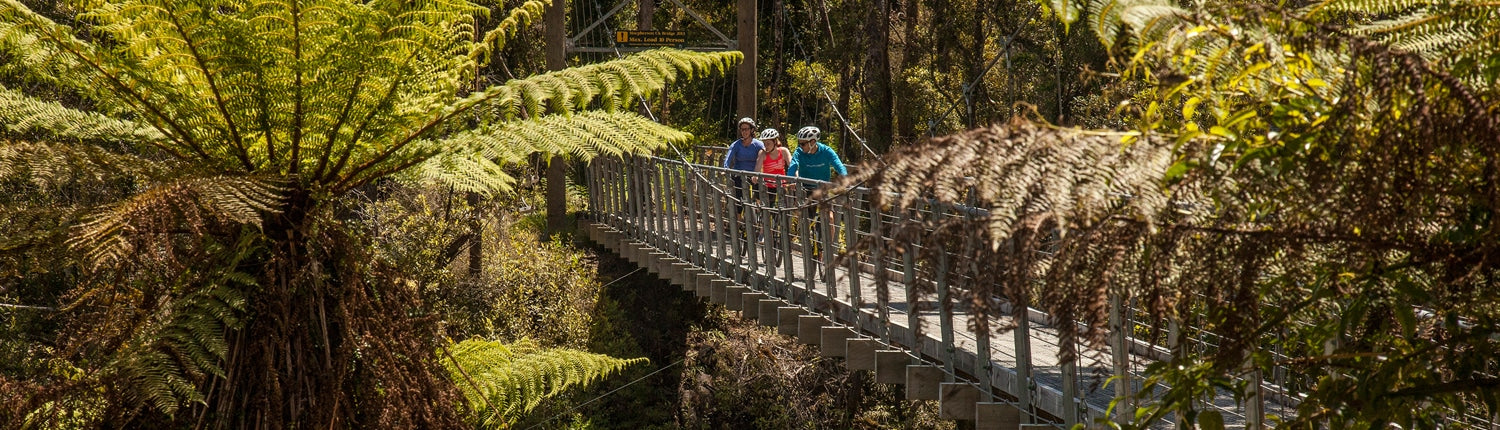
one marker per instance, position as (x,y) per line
(26,115)
(473,160)
(190,204)
(639,75)
(503,382)
(495,39)
(165,363)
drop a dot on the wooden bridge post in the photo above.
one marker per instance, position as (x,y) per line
(1021,312)
(632,197)
(686,217)
(606,188)
(767,233)
(1255,402)
(908,278)
(700,221)
(679,217)
(982,366)
(654,202)
(674,209)
(660,205)
(828,248)
(733,215)
(945,318)
(1120,355)
(1071,400)
(851,224)
(588,183)
(643,203)
(785,217)
(877,257)
(721,264)
(1174,344)
(809,273)
(612,184)
(748,217)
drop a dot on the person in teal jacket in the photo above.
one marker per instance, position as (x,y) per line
(814,160)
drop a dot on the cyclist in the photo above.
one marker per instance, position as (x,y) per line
(814,160)
(742,155)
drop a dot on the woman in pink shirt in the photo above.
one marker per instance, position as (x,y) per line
(773,160)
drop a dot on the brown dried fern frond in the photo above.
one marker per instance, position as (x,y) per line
(192,205)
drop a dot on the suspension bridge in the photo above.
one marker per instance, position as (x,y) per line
(776,264)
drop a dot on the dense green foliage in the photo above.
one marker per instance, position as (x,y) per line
(176,180)
(200,227)
(1310,186)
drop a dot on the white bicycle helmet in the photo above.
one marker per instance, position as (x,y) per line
(769,134)
(747,120)
(808,133)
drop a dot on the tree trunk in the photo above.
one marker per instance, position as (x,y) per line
(878,77)
(976,63)
(777,111)
(476,236)
(907,118)
(557,173)
(846,79)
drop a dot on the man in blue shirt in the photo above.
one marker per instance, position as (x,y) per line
(814,160)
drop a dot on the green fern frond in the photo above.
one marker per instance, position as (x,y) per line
(503,382)
(49,163)
(1369,7)
(473,160)
(495,39)
(166,362)
(1108,18)
(26,115)
(639,75)
(185,205)
(1458,35)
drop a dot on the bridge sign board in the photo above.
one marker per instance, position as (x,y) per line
(650,38)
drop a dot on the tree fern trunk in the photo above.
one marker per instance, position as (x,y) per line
(325,337)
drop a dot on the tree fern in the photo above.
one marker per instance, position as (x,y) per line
(176,132)
(505,381)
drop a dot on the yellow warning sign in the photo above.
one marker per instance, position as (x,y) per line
(646,38)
